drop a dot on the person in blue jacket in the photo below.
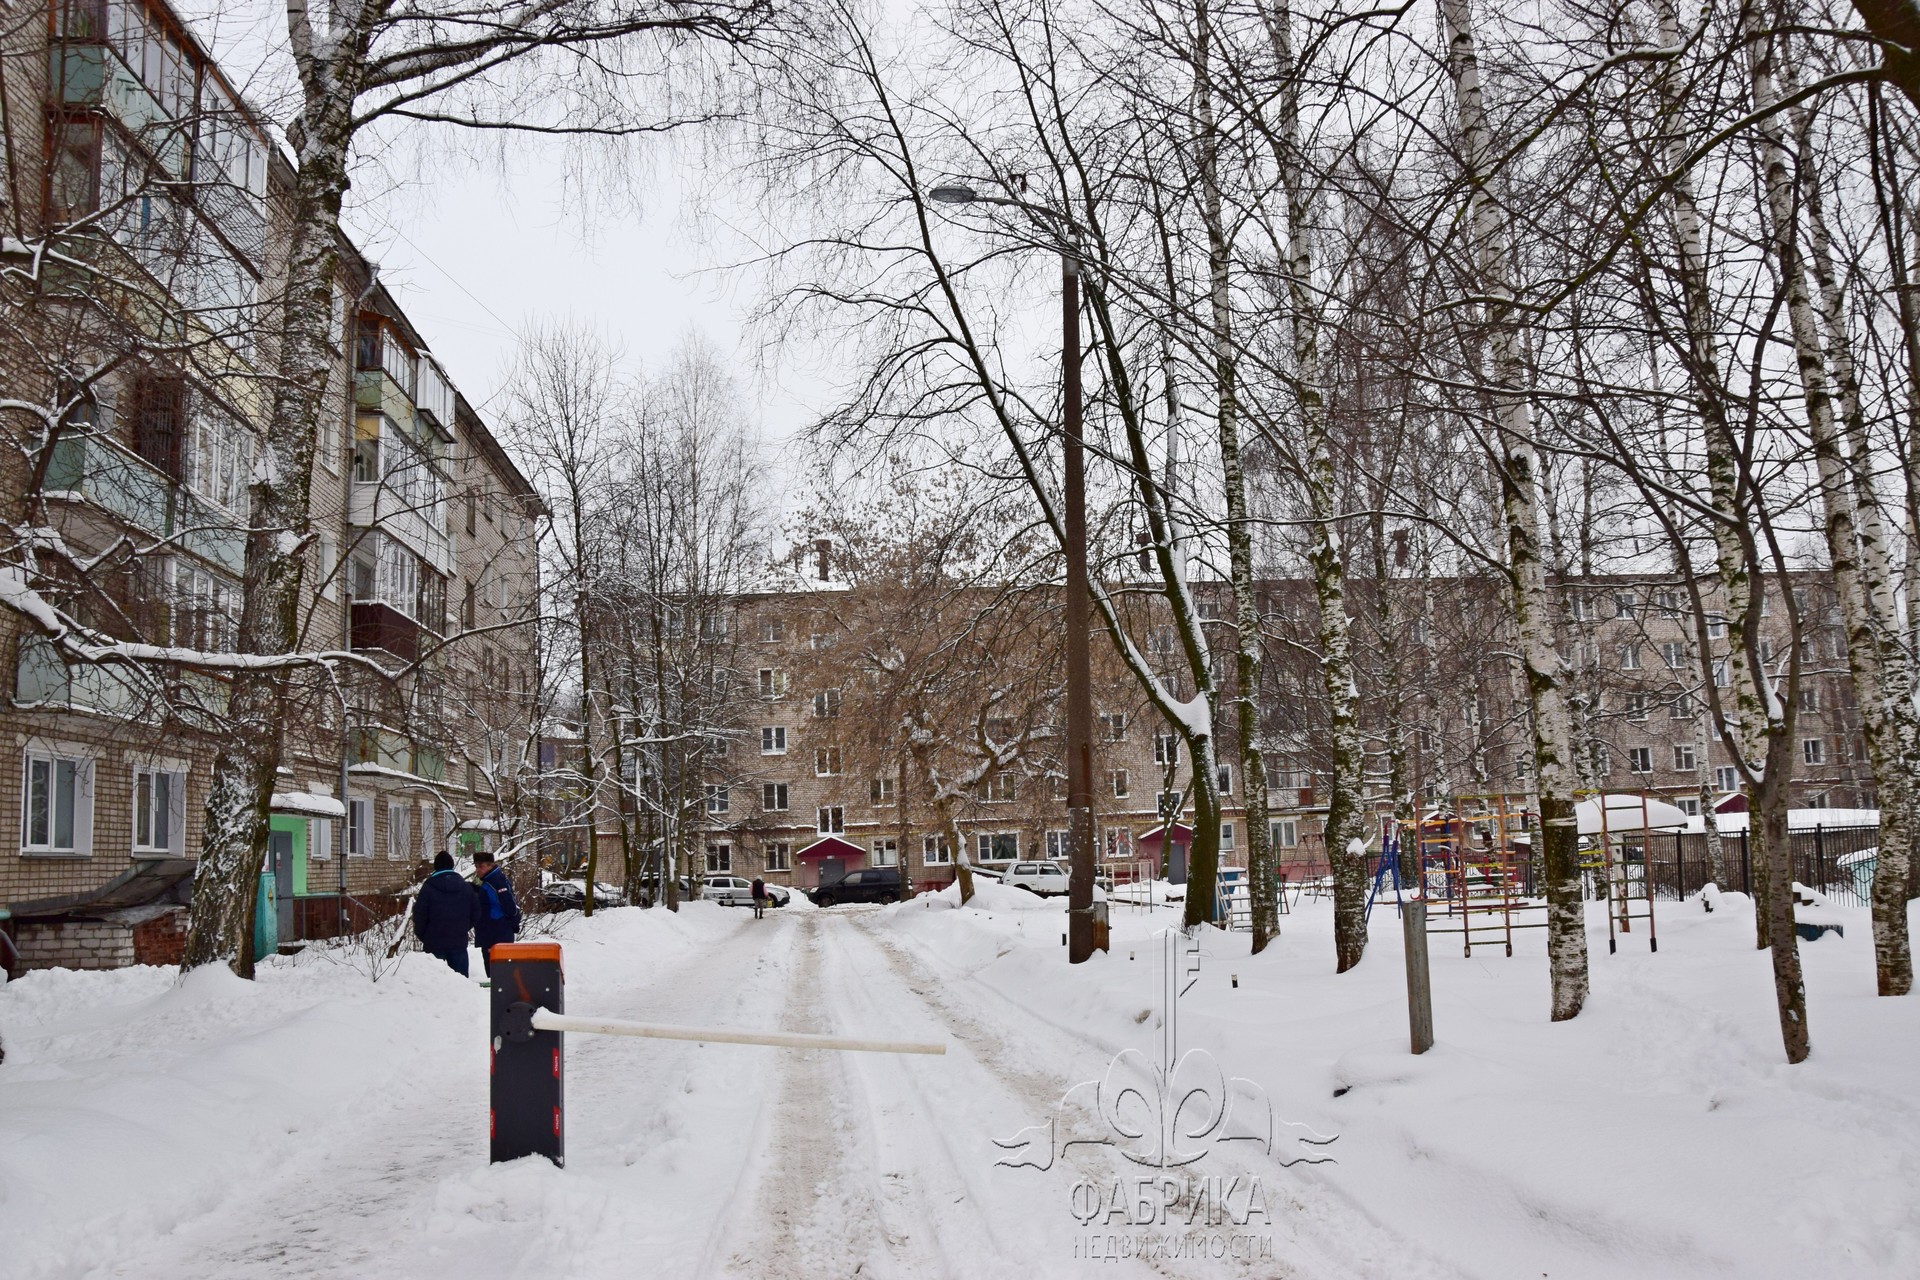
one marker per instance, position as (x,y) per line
(444,912)
(499,915)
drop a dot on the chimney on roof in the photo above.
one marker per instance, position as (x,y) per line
(822,558)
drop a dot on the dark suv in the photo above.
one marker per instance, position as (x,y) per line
(869,884)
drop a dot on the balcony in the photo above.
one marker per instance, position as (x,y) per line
(388,749)
(377,506)
(43,678)
(117,481)
(378,625)
(91,75)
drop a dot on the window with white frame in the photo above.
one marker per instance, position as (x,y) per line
(429,831)
(826,704)
(219,459)
(1058,848)
(773,797)
(999,846)
(1813,750)
(1684,757)
(1003,786)
(1166,749)
(1689,805)
(773,740)
(1224,776)
(1722,674)
(359,828)
(1716,626)
(1674,654)
(1681,708)
(56,801)
(719,798)
(1118,844)
(830,820)
(935,851)
(779,855)
(1640,759)
(719,858)
(1284,833)
(319,839)
(886,852)
(880,792)
(1669,604)
(159,810)
(1726,777)
(1629,657)
(826,762)
(1226,837)
(1626,604)
(1810,697)
(1636,707)
(399,830)
(773,683)
(206,609)
(1113,726)
(1117,783)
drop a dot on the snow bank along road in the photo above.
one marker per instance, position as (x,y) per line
(314,1124)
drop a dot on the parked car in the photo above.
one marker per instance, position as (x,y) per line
(869,884)
(1043,878)
(737,891)
(571,895)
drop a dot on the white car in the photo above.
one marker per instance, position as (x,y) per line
(737,891)
(1043,878)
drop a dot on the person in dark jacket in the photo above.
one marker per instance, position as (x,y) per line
(759,891)
(499,915)
(444,912)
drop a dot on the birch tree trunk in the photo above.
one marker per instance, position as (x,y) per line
(1877,655)
(1346,849)
(1519,493)
(1262,886)
(1783,245)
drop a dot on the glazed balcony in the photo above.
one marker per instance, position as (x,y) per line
(113,479)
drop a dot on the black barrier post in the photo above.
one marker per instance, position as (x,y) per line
(527,1117)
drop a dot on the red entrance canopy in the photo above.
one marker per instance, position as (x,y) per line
(1182,836)
(832,847)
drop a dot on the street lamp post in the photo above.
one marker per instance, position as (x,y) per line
(1079,596)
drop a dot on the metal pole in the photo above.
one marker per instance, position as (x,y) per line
(1078,611)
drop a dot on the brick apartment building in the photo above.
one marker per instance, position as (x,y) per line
(807,785)
(130,156)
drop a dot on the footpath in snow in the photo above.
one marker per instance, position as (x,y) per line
(316,1124)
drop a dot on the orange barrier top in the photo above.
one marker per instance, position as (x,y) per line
(525,951)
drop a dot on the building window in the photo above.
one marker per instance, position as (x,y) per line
(1168,806)
(1224,776)
(1681,708)
(1636,706)
(1583,608)
(999,846)
(1810,698)
(1284,833)
(1058,847)
(935,851)
(719,798)
(773,797)
(826,704)
(1684,758)
(1166,749)
(359,828)
(1626,605)
(319,839)
(1117,783)
(1766,648)
(719,858)
(773,740)
(1003,786)
(772,630)
(826,762)
(159,811)
(1716,626)
(1722,674)
(1813,750)
(1689,805)
(429,831)
(1113,727)
(886,852)
(57,803)
(824,639)
(1669,604)
(773,683)
(1674,654)
(779,856)
(831,820)
(1629,657)
(880,792)
(1640,759)
(399,831)
(1726,777)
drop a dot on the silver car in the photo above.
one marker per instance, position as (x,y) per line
(737,891)
(1043,878)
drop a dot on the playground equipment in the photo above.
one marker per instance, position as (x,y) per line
(1614,827)
(1470,863)
(526,1052)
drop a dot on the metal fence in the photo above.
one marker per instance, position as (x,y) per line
(1837,861)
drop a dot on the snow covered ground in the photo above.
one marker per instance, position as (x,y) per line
(314,1124)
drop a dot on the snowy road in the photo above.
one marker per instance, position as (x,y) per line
(314,1124)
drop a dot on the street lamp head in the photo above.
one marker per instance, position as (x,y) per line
(954,195)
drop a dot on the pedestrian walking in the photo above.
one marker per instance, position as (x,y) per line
(759,898)
(499,914)
(444,913)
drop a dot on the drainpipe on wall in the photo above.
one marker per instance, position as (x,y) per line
(343,567)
